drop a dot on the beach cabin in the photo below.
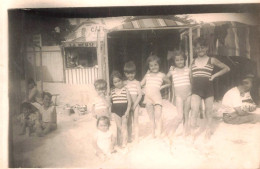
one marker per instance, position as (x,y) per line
(137,37)
(80,53)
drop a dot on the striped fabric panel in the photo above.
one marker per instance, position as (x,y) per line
(205,71)
(154,81)
(132,88)
(100,105)
(181,79)
(119,98)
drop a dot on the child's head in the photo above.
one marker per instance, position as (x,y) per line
(117,79)
(179,59)
(101,86)
(31,83)
(153,63)
(130,70)
(246,82)
(46,99)
(103,123)
(26,108)
(200,46)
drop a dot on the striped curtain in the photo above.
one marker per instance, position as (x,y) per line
(229,38)
(81,76)
(148,23)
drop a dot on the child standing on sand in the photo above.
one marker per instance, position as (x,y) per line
(103,141)
(134,88)
(202,82)
(101,106)
(121,104)
(153,82)
(180,75)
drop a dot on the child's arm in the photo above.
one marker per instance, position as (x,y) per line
(139,97)
(113,141)
(128,103)
(94,143)
(224,68)
(143,81)
(167,82)
(93,111)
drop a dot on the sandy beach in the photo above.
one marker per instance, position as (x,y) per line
(231,146)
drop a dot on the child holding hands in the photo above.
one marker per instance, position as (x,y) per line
(153,82)
(134,88)
(121,104)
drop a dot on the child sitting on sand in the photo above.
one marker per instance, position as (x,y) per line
(103,140)
(134,88)
(101,105)
(48,115)
(237,103)
(29,118)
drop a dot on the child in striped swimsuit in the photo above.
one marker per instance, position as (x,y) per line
(181,89)
(153,82)
(101,105)
(134,88)
(121,104)
(202,82)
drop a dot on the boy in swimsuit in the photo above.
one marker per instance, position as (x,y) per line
(134,88)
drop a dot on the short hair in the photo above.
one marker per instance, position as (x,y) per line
(27,106)
(100,84)
(152,58)
(130,67)
(246,76)
(202,41)
(178,53)
(31,81)
(103,118)
(46,94)
(116,74)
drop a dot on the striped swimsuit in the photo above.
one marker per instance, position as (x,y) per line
(119,102)
(101,108)
(181,82)
(132,87)
(201,85)
(152,88)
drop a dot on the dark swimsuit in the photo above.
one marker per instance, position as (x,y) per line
(201,85)
(119,102)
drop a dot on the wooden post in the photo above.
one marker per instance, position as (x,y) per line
(34,65)
(99,60)
(106,62)
(64,63)
(190,45)
(41,69)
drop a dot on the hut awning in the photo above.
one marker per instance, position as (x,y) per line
(149,22)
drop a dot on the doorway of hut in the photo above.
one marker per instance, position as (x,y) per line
(137,45)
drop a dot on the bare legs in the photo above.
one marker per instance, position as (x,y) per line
(121,123)
(195,107)
(155,115)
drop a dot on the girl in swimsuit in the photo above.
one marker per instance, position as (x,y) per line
(121,104)
(180,75)
(202,82)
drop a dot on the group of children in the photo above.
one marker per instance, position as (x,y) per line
(190,86)
(38,118)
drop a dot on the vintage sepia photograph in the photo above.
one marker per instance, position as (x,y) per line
(134,87)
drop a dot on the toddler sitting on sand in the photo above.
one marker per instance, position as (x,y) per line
(103,141)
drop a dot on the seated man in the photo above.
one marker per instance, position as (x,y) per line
(238,103)
(48,115)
